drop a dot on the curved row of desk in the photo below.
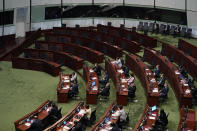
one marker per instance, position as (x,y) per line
(183,94)
(119,80)
(180,58)
(146,77)
(86,53)
(41,112)
(127,34)
(187,48)
(103,47)
(128,45)
(92,85)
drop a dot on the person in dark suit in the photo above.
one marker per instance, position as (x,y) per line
(164,91)
(157,71)
(105,79)
(126,70)
(161,82)
(74,90)
(114,127)
(73,77)
(97,69)
(37,125)
(163,119)
(131,91)
(106,90)
(78,126)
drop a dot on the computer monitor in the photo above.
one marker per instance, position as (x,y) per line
(93,83)
(154,108)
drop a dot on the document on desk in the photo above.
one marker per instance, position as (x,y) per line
(95,88)
(66,87)
(152,118)
(94,78)
(91,70)
(177,72)
(155,90)
(120,71)
(67,128)
(28,124)
(67,80)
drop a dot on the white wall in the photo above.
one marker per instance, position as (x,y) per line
(9,4)
(140,2)
(77,1)
(192,5)
(177,4)
(108,1)
(45,2)
(1,4)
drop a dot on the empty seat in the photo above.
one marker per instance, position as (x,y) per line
(183,32)
(140,26)
(189,33)
(172,30)
(150,27)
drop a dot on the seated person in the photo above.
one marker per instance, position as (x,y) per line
(106,90)
(105,79)
(164,91)
(162,120)
(194,92)
(97,69)
(114,127)
(161,82)
(123,115)
(74,90)
(183,71)
(131,80)
(119,62)
(126,70)
(131,91)
(37,125)
(157,71)
(88,112)
(78,126)
(73,77)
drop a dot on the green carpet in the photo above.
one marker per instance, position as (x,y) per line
(23,90)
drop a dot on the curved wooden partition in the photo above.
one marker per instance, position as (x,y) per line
(171,72)
(41,112)
(86,53)
(106,48)
(125,33)
(74,112)
(188,48)
(180,58)
(119,81)
(108,114)
(130,46)
(147,119)
(146,77)
(36,64)
(91,91)
(63,58)
(187,119)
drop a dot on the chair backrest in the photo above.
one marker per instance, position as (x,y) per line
(93,116)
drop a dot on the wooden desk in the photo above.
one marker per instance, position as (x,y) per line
(149,116)
(86,53)
(120,82)
(187,116)
(113,118)
(69,118)
(36,64)
(130,46)
(91,92)
(180,58)
(169,70)
(146,77)
(64,58)
(42,113)
(104,47)
(63,88)
(187,48)
(134,36)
